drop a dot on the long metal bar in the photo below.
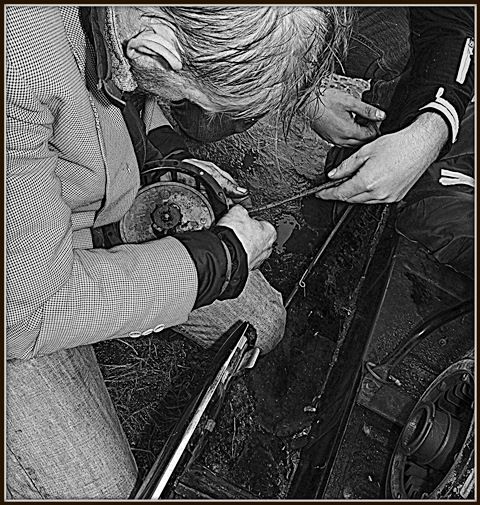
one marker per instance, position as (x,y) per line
(311,191)
(164,478)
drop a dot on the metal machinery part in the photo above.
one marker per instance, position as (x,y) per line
(188,437)
(434,455)
(175,197)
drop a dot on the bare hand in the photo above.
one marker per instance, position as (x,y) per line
(226,181)
(257,237)
(385,170)
(336,118)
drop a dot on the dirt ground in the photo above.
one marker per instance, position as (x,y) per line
(269,410)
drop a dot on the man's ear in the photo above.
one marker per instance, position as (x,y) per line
(157,45)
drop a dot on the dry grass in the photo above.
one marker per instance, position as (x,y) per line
(150,381)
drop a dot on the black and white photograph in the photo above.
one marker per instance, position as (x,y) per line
(239,252)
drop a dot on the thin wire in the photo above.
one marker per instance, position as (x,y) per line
(301,282)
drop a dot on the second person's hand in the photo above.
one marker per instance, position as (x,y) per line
(384,170)
(343,120)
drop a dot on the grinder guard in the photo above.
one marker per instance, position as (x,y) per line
(174,197)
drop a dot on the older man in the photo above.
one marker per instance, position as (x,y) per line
(74,148)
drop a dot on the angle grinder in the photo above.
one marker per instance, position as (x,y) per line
(174,197)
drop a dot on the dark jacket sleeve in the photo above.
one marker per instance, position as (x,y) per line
(164,141)
(218,255)
(221,263)
(441,79)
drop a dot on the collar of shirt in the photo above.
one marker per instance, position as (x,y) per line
(113,70)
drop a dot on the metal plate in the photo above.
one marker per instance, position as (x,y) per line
(456,482)
(165,208)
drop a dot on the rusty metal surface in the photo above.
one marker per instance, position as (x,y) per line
(361,465)
(165,207)
(387,400)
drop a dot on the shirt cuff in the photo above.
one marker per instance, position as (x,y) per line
(447,111)
(221,263)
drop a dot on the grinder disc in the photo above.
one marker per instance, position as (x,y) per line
(165,208)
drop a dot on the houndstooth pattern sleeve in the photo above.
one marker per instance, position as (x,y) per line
(59,296)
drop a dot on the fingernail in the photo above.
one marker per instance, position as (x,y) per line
(380,114)
(332,172)
(242,190)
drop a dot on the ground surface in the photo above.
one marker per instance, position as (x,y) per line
(270,413)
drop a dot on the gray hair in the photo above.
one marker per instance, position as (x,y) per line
(250,60)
